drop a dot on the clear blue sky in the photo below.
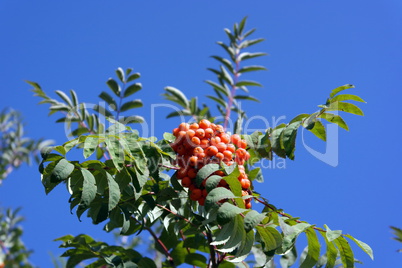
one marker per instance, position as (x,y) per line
(313,46)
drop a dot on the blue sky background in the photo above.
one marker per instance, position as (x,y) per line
(313,46)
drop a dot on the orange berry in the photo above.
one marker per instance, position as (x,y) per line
(176,131)
(215,140)
(244,193)
(186,182)
(223,183)
(193,160)
(204,192)
(192,173)
(248,205)
(200,133)
(184,126)
(221,147)
(204,123)
(225,137)
(241,153)
(242,144)
(192,187)
(219,129)
(181,149)
(220,156)
(204,143)
(219,173)
(235,138)
(230,147)
(198,150)
(195,141)
(209,132)
(211,150)
(245,183)
(201,201)
(242,176)
(228,154)
(194,126)
(195,194)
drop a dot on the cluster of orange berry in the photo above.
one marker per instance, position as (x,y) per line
(199,144)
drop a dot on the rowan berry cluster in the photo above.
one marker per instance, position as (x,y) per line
(199,144)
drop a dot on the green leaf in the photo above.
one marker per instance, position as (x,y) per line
(238,235)
(319,130)
(88,188)
(289,139)
(245,248)
(252,68)
(345,107)
(205,172)
(339,89)
(116,151)
(212,182)
(219,101)
(248,43)
(256,175)
(133,77)
(114,86)
(276,143)
(109,100)
(120,74)
(114,192)
(345,251)
(224,234)
(248,55)
(331,253)
(246,97)
(226,76)
(344,97)
(132,89)
(313,251)
(298,118)
(196,259)
(332,234)
(290,233)
(178,96)
(90,145)
(270,237)
(221,88)
(366,248)
(252,219)
(336,119)
(225,62)
(65,98)
(217,195)
(131,105)
(228,212)
(62,170)
(248,83)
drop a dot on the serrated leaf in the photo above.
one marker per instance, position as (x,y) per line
(271,238)
(90,145)
(196,260)
(116,151)
(131,105)
(132,89)
(228,212)
(339,89)
(217,195)
(62,170)
(109,100)
(244,249)
(224,234)
(345,107)
(289,138)
(345,251)
(336,119)
(319,130)
(344,97)
(238,235)
(366,248)
(313,249)
(88,188)
(114,86)
(252,219)
(114,192)
(205,172)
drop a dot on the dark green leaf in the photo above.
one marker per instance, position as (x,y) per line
(248,43)
(248,55)
(298,118)
(252,219)
(248,83)
(226,76)
(219,101)
(313,251)
(114,86)
(131,105)
(120,74)
(228,212)
(276,143)
(252,68)
(237,237)
(221,88)
(88,188)
(133,77)
(225,62)
(109,100)
(217,195)
(90,145)
(270,237)
(289,139)
(132,89)
(245,97)
(179,97)
(196,259)
(205,172)
(65,98)
(62,170)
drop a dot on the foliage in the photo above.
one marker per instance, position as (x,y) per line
(15,148)
(130,185)
(13,252)
(398,235)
